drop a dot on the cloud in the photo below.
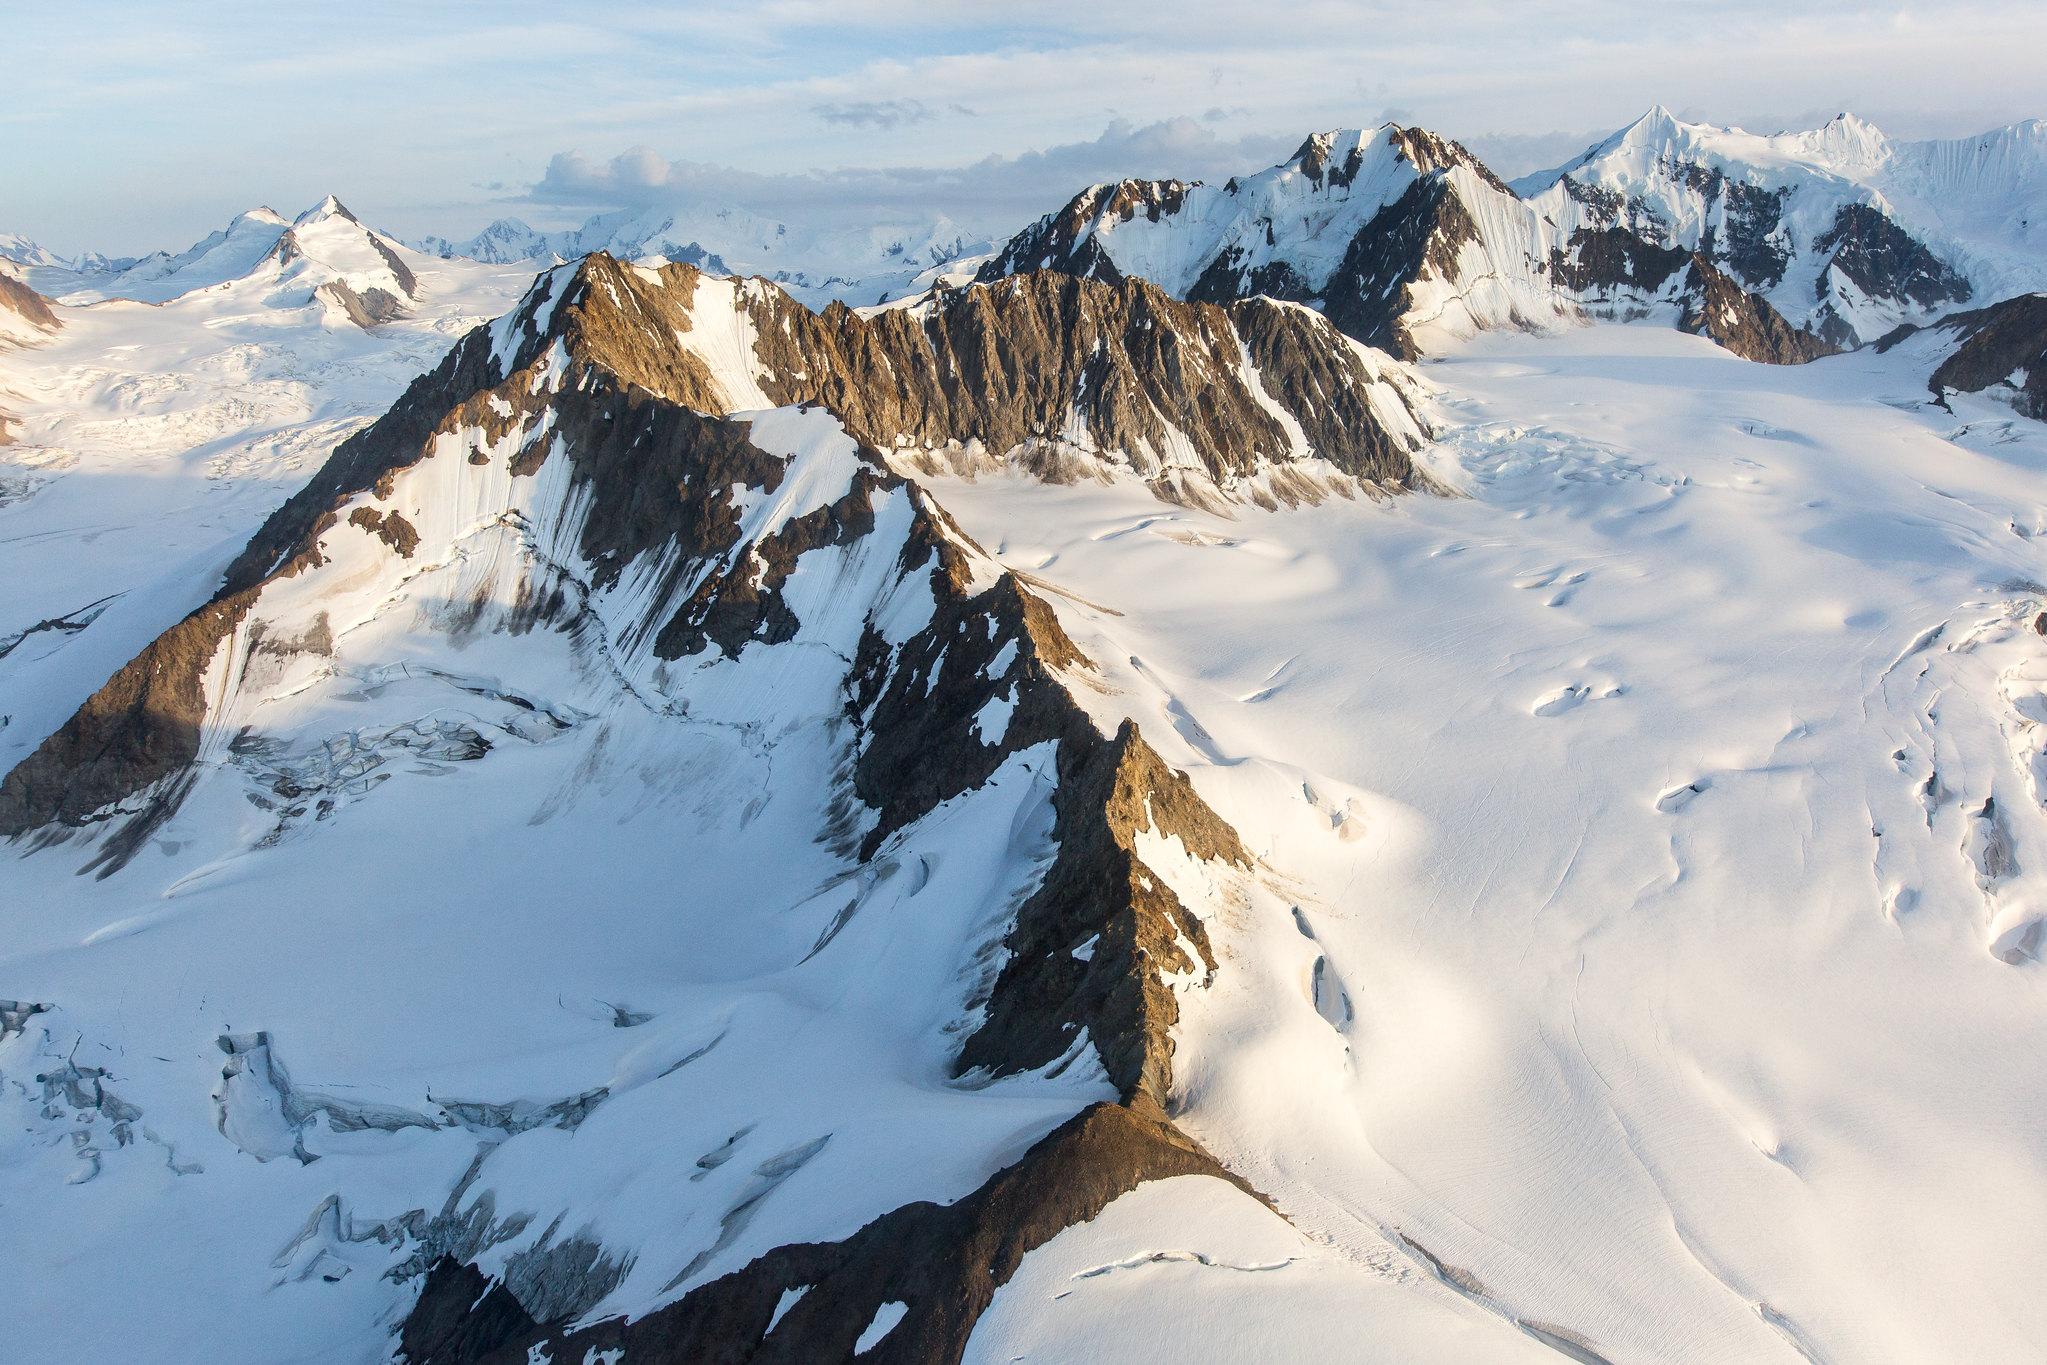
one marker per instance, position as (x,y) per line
(134,132)
(996,193)
(885,114)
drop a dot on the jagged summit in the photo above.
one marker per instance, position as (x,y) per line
(1403,239)
(1408,241)
(565,541)
(1058,374)
(328,207)
(1054,375)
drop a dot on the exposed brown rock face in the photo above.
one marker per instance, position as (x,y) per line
(1744,323)
(1112,366)
(366,309)
(394,530)
(33,308)
(944,1262)
(1098,893)
(1417,235)
(1065,241)
(141,728)
(916,705)
(995,364)
(2000,341)
(1034,359)
(744,603)
(400,271)
(1601,264)
(18,298)
(1885,261)
(1617,267)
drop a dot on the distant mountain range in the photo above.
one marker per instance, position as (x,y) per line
(1839,232)
(323,256)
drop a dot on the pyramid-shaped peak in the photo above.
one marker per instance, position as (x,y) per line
(1845,133)
(327,208)
(1658,125)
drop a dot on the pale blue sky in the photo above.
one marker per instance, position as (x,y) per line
(132,126)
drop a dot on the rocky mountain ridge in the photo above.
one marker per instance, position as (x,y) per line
(1394,232)
(1055,374)
(590,438)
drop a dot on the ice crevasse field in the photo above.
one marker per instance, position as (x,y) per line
(1651,871)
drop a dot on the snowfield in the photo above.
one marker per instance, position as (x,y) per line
(1647,832)
(1639,957)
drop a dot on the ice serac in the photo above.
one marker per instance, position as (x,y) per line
(1402,239)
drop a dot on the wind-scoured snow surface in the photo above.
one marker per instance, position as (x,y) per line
(1639,963)
(1654,834)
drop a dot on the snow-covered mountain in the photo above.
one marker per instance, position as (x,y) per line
(766,603)
(325,257)
(2001,350)
(1406,240)
(862,264)
(606,814)
(1841,228)
(1403,240)
(21,251)
(25,316)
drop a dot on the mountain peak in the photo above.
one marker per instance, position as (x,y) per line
(1846,138)
(1657,128)
(327,208)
